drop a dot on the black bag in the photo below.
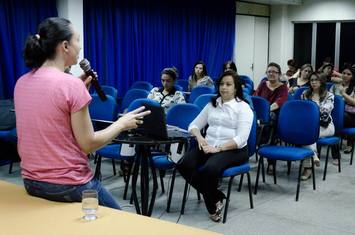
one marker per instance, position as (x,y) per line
(7,116)
(325,119)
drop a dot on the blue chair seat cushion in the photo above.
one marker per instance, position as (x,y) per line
(348,131)
(162,162)
(285,153)
(110,151)
(331,140)
(236,170)
(8,135)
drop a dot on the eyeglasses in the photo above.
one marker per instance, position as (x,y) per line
(314,80)
(166,80)
(272,71)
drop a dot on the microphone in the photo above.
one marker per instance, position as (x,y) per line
(85,65)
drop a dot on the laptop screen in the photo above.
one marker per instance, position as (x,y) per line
(154,124)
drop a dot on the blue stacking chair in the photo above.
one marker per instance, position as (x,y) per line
(200,90)
(329,85)
(338,119)
(132,95)
(178,88)
(110,90)
(142,85)
(101,111)
(298,92)
(304,130)
(247,81)
(234,171)
(180,115)
(183,83)
(9,136)
(262,111)
(203,100)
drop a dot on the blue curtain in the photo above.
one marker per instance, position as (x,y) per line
(132,40)
(18,19)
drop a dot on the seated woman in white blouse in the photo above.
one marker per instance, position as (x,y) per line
(167,95)
(229,119)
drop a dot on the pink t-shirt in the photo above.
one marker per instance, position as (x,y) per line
(44,100)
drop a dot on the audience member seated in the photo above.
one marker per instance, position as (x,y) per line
(54,128)
(229,119)
(346,90)
(200,76)
(230,65)
(276,93)
(167,95)
(318,93)
(292,68)
(301,78)
(327,70)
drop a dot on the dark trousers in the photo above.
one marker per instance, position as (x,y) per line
(202,171)
(349,121)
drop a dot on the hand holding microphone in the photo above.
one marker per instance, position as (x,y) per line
(85,65)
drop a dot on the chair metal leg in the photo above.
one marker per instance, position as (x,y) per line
(198,196)
(10,167)
(182,211)
(339,165)
(313,175)
(352,153)
(240,182)
(299,180)
(326,164)
(257,176)
(97,174)
(227,199)
(289,167)
(274,172)
(171,190)
(161,182)
(263,170)
(113,166)
(250,193)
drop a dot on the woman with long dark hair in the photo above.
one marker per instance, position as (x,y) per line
(318,93)
(229,119)
(199,76)
(347,91)
(54,128)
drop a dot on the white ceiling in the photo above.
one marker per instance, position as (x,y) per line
(277,2)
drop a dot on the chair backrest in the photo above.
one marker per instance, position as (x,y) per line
(203,100)
(178,87)
(298,122)
(103,110)
(140,102)
(142,85)
(298,92)
(247,81)
(200,90)
(252,138)
(262,108)
(110,90)
(181,115)
(132,95)
(183,83)
(329,85)
(338,113)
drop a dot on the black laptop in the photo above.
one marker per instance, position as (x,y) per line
(154,126)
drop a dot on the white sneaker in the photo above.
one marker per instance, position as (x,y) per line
(216,217)
(219,206)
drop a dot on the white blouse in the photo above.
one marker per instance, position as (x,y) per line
(230,120)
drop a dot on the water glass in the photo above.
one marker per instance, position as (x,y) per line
(90,204)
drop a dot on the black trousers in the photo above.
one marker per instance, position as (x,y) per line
(349,121)
(202,171)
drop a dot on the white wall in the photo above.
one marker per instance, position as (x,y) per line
(281,27)
(73,11)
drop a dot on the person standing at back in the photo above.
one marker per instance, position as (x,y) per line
(54,128)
